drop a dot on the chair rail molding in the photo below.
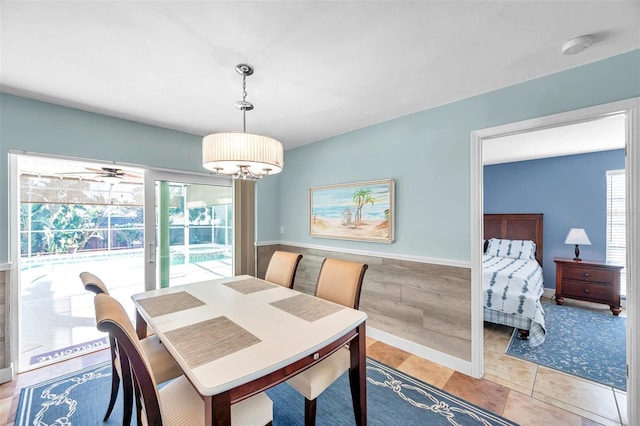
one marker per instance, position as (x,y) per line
(385,255)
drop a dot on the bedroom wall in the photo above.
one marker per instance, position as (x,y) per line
(571,192)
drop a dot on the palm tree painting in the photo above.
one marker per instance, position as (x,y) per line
(354,211)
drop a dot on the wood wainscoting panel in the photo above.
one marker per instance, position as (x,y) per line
(424,303)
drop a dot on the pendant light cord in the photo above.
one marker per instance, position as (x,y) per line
(244,99)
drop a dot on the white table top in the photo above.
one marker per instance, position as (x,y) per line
(284,338)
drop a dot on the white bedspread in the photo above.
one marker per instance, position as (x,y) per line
(514,286)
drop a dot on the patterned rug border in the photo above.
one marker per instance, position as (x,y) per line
(437,401)
(438,406)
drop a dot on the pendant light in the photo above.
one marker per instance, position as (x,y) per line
(242,155)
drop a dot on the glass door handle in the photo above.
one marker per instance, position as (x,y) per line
(152,253)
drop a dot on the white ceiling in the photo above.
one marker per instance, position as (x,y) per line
(591,136)
(322,68)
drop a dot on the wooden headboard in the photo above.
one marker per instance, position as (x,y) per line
(515,226)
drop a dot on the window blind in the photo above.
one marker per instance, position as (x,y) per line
(616,224)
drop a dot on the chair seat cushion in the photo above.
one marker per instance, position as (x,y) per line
(162,363)
(182,405)
(313,381)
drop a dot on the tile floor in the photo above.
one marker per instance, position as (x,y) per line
(518,390)
(523,392)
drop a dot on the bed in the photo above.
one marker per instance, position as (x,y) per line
(512,273)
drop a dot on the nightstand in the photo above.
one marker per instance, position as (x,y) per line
(588,280)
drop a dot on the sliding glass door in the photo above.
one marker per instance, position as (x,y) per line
(134,229)
(189,231)
(71,217)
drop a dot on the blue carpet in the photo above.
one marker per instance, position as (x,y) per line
(392,399)
(581,342)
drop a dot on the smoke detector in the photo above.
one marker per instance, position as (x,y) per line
(577,45)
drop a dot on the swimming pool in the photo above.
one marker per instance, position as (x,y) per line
(197,254)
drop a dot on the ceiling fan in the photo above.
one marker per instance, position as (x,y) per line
(106,174)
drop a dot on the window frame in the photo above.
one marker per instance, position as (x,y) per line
(616,242)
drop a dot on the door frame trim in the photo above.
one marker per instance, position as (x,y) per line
(13,303)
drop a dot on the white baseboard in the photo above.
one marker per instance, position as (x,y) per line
(421,351)
(6,374)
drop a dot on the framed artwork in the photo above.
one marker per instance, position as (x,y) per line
(361,211)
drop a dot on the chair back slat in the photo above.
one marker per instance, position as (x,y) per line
(340,281)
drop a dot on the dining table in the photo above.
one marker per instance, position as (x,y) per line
(237,336)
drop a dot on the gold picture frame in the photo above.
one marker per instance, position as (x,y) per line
(362,211)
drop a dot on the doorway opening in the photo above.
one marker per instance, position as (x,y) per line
(627,108)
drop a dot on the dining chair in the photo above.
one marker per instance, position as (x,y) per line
(340,282)
(162,363)
(282,268)
(177,402)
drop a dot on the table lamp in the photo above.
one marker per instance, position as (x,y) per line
(577,236)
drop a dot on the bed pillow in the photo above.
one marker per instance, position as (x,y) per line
(514,249)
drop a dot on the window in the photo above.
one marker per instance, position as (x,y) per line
(616,224)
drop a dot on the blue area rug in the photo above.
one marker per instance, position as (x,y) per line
(581,342)
(393,398)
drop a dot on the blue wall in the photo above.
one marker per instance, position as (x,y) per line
(428,155)
(571,191)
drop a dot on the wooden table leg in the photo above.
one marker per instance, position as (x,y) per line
(358,375)
(217,409)
(141,326)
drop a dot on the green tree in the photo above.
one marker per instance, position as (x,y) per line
(62,227)
(361,197)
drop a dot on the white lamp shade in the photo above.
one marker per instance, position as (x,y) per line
(577,236)
(226,152)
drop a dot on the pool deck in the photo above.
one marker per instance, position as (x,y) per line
(57,314)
